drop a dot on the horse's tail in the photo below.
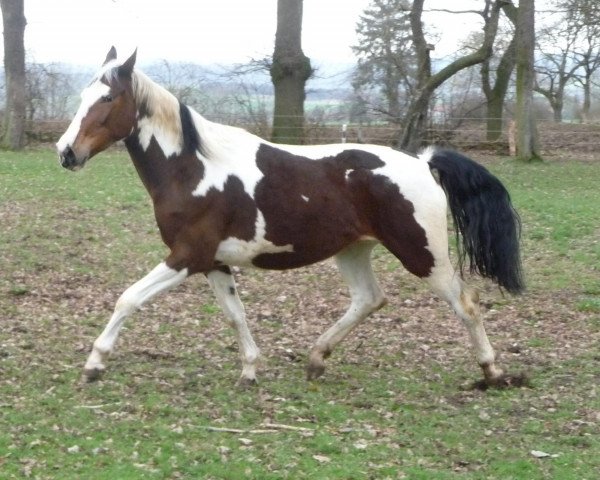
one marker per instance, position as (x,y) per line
(483,215)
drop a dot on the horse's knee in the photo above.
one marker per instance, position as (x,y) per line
(127,303)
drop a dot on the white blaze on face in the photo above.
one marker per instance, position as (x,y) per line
(89,97)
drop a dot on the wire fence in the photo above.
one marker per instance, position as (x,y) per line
(460,133)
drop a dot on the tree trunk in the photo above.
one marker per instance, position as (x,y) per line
(494,121)
(13,18)
(587,99)
(289,72)
(415,122)
(495,95)
(527,142)
(557,111)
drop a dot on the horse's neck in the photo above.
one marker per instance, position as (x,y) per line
(157,140)
(171,140)
(160,172)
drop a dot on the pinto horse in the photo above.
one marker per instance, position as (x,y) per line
(224,197)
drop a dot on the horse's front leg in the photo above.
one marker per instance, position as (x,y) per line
(223,285)
(161,278)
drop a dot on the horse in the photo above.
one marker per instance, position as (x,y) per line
(224,197)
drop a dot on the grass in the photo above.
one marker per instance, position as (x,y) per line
(391,404)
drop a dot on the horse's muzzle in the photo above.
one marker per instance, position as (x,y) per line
(68,159)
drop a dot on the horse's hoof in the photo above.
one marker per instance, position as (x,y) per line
(245,382)
(92,374)
(503,381)
(314,371)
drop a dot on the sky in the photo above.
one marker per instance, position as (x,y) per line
(80,32)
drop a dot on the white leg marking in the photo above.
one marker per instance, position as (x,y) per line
(223,285)
(465,301)
(158,280)
(354,264)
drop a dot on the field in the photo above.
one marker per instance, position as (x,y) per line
(395,401)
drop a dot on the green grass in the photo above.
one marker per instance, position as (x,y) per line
(387,408)
(558,203)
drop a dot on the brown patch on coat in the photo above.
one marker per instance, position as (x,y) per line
(393,221)
(321,206)
(306,204)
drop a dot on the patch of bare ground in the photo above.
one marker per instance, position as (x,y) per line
(64,311)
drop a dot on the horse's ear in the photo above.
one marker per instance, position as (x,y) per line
(126,69)
(111,55)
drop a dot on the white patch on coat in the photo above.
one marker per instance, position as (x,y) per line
(169,142)
(164,122)
(227,151)
(233,251)
(305,198)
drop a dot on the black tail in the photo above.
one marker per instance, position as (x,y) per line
(485,218)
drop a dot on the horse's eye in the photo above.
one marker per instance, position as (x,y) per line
(106,98)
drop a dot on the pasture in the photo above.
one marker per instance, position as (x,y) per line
(394,403)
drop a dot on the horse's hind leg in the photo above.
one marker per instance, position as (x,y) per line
(223,285)
(354,264)
(465,302)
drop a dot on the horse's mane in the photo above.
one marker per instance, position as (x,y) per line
(214,141)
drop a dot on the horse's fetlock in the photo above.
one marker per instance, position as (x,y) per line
(102,349)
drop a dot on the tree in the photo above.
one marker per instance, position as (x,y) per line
(386,60)
(187,81)
(13,19)
(49,88)
(527,143)
(290,71)
(557,65)
(495,93)
(585,14)
(415,121)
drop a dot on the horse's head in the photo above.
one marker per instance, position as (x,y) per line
(106,115)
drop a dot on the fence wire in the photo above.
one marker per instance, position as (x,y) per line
(454,132)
